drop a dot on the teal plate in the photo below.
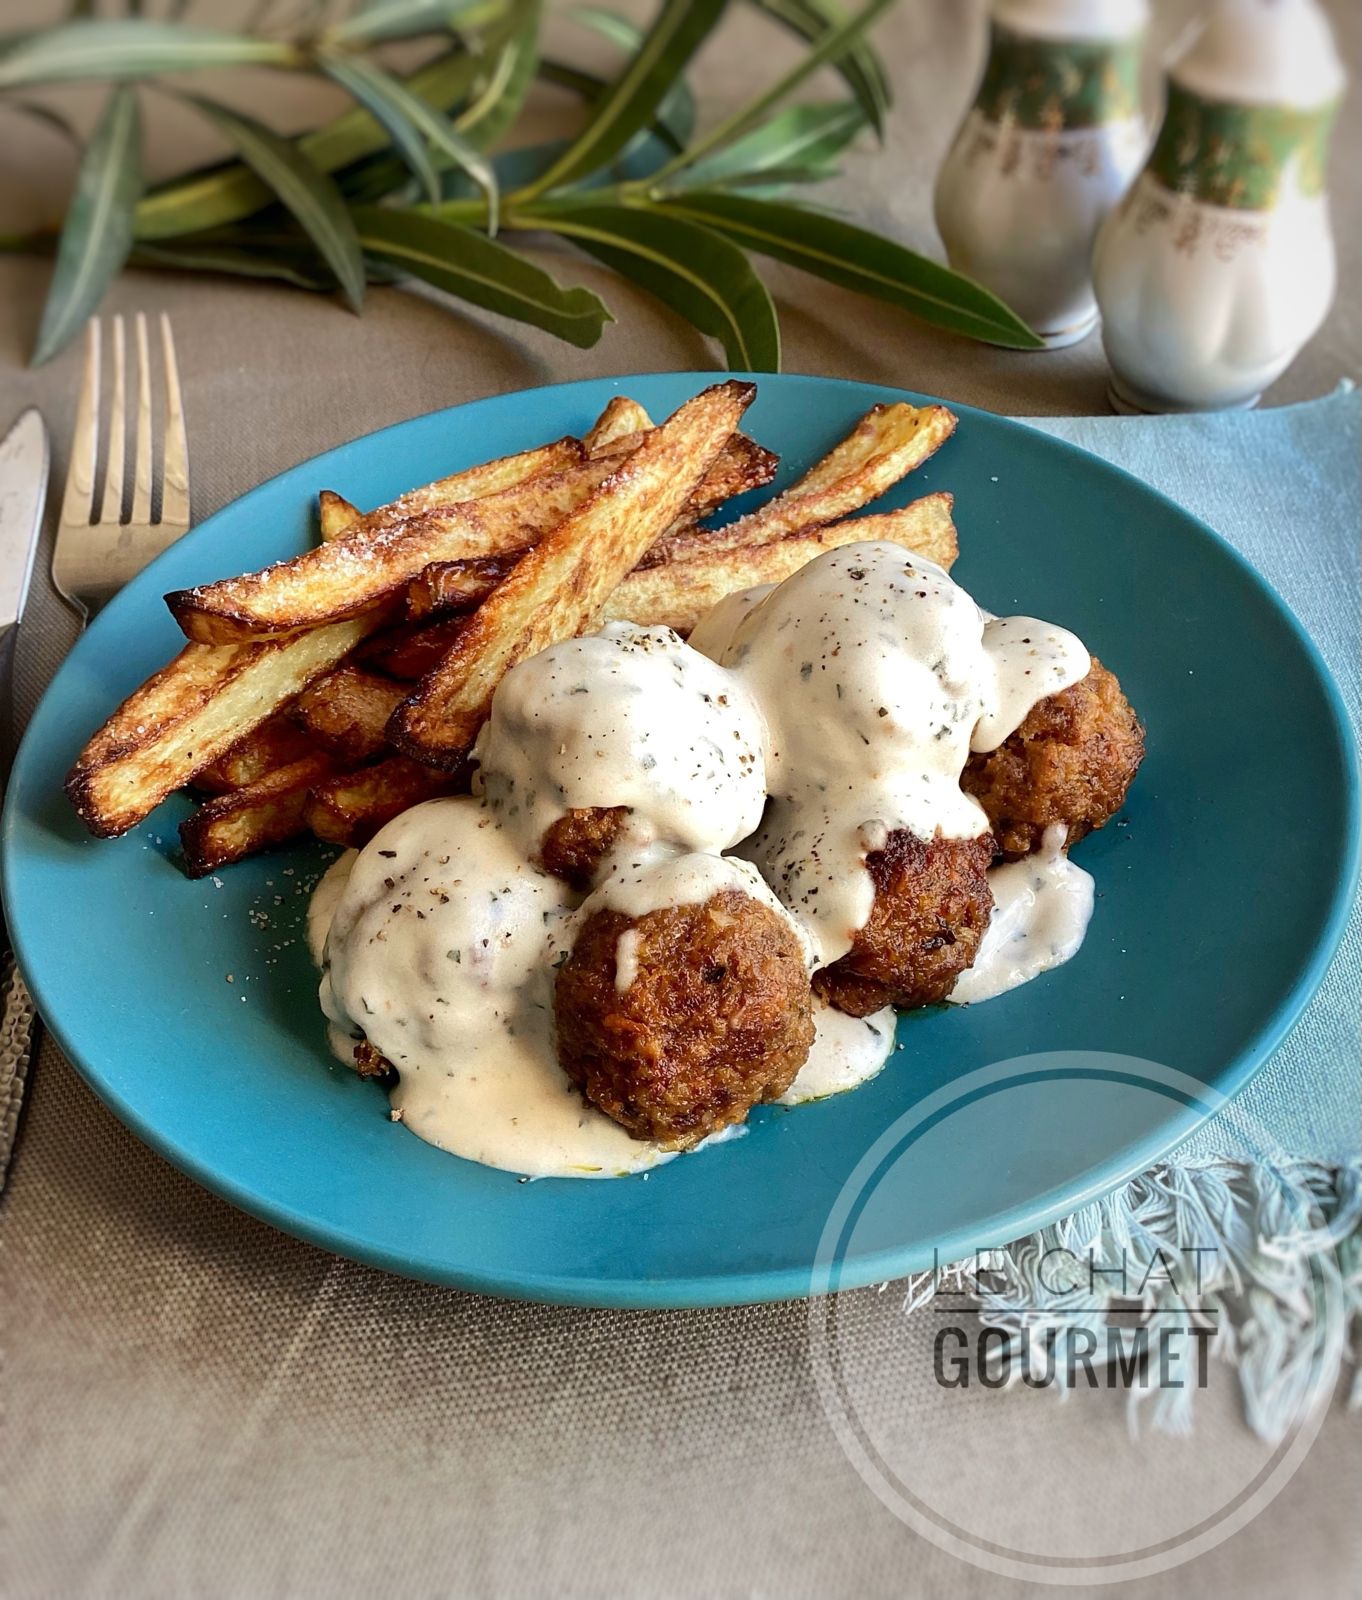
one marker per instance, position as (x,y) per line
(1223,889)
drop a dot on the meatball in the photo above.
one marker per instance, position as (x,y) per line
(1071,762)
(371,1063)
(574,846)
(714,1015)
(932,905)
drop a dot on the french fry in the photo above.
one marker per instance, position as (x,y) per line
(455,585)
(411,651)
(674,588)
(677,594)
(360,569)
(358,572)
(886,445)
(560,587)
(192,712)
(350,808)
(275,743)
(742,465)
(476,483)
(347,711)
(621,417)
(446,586)
(335,515)
(268,811)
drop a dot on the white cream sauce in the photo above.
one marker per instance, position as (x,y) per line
(847,1052)
(626,717)
(852,694)
(875,671)
(635,882)
(1041,908)
(438,952)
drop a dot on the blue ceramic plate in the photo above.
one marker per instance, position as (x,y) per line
(1222,887)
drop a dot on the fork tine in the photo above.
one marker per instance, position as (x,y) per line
(79,499)
(141,484)
(175,471)
(111,508)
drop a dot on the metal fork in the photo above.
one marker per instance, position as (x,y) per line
(95,555)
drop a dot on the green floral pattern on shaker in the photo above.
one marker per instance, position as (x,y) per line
(1059,84)
(1236,156)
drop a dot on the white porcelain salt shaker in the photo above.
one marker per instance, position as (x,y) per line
(1053,139)
(1219,264)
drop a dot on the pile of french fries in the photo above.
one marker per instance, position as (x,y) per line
(328,693)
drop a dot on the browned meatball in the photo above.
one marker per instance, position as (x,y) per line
(932,904)
(574,846)
(1071,761)
(371,1063)
(717,1017)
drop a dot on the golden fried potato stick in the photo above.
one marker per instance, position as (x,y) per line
(560,587)
(350,808)
(194,710)
(678,593)
(884,446)
(446,586)
(359,570)
(621,417)
(336,516)
(265,812)
(275,743)
(190,713)
(412,650)
(347,711)
(476,483)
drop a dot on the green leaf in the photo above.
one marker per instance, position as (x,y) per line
(399,19)
(506,71)
(770,181)
(860,66)
(133,48)
(677,32)
(225,194)
(673,123)
(676,108)
(253,259)
(832,47)
(499,98)
(414,128)
(305,190)
(694,270)
(800,137)
(98,232)
(389,102)
(482,271)
(857,259)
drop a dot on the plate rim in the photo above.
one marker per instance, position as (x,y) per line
(751,1286)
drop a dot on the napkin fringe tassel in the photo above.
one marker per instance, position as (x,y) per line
(1280,1286)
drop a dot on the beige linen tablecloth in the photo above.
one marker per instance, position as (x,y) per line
(195,1404)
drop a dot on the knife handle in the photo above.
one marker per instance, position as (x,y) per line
(17,1020)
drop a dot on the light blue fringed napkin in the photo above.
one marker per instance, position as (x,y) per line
(1284,486)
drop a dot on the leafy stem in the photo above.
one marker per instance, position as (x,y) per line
(412,180)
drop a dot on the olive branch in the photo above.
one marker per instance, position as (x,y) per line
(405,184)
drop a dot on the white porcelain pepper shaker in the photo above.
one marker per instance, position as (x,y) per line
(1219,265)
(1053,139)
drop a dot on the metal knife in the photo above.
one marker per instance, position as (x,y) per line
(23,493)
